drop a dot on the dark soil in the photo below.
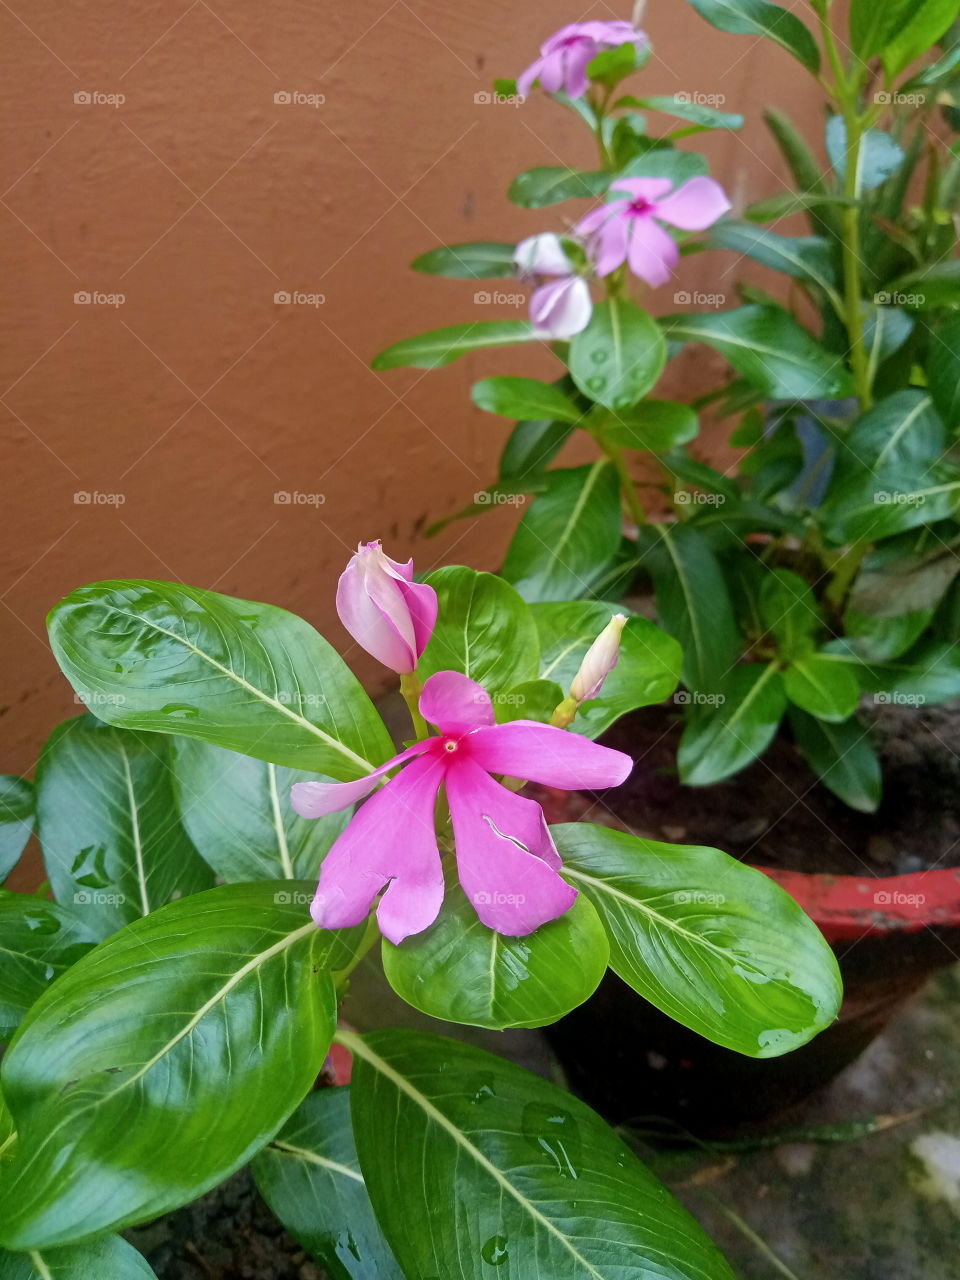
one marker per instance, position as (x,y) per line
(228,1234)
(776,813)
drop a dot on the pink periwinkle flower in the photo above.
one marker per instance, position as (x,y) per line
(561,307)
(628,230)
(384,610)
(506,858)
(565,56)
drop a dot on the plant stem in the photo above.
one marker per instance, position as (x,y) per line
(369,940)
(411,687)
(628,487)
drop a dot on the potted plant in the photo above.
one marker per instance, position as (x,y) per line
(816,583)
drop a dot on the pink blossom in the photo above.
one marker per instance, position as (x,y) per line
(561,307)
(507,861)
(384,610)
(628,230)
(565,56)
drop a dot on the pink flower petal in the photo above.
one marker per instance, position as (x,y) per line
(552,72)
(541,255)
(390,838)
(575,62)
(526,79)
(422,604)
(652,252)
(599,217)
(542,753)
(512,890)
(694,206)
(643,188)
(562,308)
(317,799)
(455,703)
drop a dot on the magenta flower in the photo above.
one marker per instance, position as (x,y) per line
(507,861)
(565,56)
(384,610)
(628,230)
(559,308)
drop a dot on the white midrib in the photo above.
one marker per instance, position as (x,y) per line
(257,693)
(904,426)
(282,846)
(135,833)
(692,613)
(357,1046)
(581,502)
(42,1269)
(303,1153)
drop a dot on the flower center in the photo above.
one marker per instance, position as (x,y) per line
(640,207)
(450,744)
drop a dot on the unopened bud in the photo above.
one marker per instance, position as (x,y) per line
(599,660)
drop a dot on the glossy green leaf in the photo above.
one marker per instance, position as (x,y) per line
(524,398)
(109,1258)
(461,971)
(879,155)
(620,355)
(767,347)
(900,578)
(899,31)
(789,611)
(568,536)
(927,674)
(826,689)
(875,639)
(237,812)
(39,940)
(693,604)
(666,161)
(655,425)
(545,186)
(310,1177)
(943,372)
(16,820)
(531,448)
(812,189)
(484,629)
(647,670)
(478,260)
(843,757)
(532,700)
(722,737)
(532,1181)
(808,258)
(929,287)
(612,65)
(442,346)
(246,676)
(759,18)
(176,1048)
(713,943)
(107,820)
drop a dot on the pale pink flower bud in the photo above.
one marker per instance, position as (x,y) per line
(385,611)
(599,660)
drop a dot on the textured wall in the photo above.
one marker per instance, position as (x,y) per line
(198,198)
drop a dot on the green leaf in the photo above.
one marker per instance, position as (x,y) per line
(40,940)
(528,1175)
(679,106)
(843,757)
(902,579)
(943,372)
(524,398)
(568,536)
(109,1258)
(176,1048)
(899,31)
(442,346)
(767,347)
(531,448)
(812,189)
(612,65)
(693,604)
(878,158)
(107,821)
(715,944)
(723,736)
(929,287)
(538,188)
(310,1177)
(654,425)
(758,18)
(647,670)
(478,260)
(237,812)
(826,689)
(484,630)
(927,674)
(461,971)
(789,611)
(663,160)
(620,355)
(532,700)
(16,820)
(250,677)
(875,639)
(807,258)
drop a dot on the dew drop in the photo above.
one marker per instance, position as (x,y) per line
(596,384)
(554,1132)
(599,356)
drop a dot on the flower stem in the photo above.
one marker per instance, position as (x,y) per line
(411,687)
(628,487)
